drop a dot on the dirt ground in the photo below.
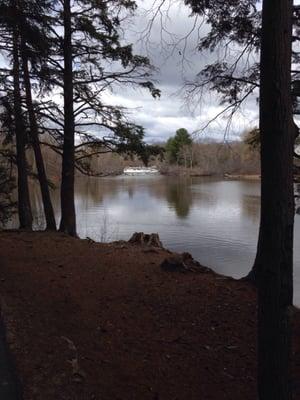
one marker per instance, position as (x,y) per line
(105,321)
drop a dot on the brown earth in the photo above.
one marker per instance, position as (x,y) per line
(105,321)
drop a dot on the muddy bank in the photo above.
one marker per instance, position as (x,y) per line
(246,177)
(106,321)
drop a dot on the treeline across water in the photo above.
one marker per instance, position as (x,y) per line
(206,157)
(214,158)
(198,158)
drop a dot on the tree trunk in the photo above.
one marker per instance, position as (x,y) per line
(68,216)
(24,207)
(274,261)
(47,204)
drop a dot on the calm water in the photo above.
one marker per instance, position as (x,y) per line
(216,221)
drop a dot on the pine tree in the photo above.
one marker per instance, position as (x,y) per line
(94,60)
(23,23)
(24,206)
(275,246)
(33,50)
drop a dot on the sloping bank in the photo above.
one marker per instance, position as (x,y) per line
(118,321)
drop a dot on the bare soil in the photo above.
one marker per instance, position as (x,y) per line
(105,321)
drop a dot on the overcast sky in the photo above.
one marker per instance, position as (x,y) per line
(161,117)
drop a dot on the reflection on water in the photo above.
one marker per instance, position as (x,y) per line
(179,196)
(216,221)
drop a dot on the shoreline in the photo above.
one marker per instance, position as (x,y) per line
(89,320)
(195,173)
(246,177)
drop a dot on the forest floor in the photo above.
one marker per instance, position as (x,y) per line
(105,321)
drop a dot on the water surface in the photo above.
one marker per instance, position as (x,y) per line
(215,220)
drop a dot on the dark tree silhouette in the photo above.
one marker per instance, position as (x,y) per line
(275,245)
(24,206)
(94,60)
(79,52)
(33,47)
(68,214)
(24,22)
(239,22)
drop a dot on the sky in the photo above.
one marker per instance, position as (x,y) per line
(176,61)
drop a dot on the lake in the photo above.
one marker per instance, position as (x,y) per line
(214,220)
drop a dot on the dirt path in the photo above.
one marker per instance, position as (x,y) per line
(105,321)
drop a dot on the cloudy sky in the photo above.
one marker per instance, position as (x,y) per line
(176,65)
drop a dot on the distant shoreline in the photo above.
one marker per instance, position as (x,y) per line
(246,177)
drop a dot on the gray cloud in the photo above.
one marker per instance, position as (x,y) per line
(177,61)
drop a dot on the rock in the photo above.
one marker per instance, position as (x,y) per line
(141,238)
(173,263)
(183,263)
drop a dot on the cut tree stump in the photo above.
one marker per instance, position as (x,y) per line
(141,238)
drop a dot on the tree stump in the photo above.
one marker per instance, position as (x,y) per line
(144,239)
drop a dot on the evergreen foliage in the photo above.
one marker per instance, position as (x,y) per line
(75,51)
(101,61)
(176,143)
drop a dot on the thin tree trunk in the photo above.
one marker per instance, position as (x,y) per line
(47,204)
(24,207)
(68,216)
(274,261)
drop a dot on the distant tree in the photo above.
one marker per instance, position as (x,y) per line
(147,152)
(252,139)
(176,144)
(171,150)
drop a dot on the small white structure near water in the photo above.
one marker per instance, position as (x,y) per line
(141,170)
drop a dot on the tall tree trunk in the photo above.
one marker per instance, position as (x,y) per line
(274,261)
(24,207)
(68,216)
(47,204)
